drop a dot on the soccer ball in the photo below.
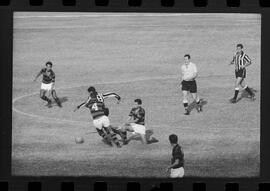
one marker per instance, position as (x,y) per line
(79,140)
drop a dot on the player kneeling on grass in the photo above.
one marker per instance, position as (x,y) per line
(136,126)
(176,168)
(47,85)
(99,112)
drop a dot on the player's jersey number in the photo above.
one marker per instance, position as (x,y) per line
(94,107)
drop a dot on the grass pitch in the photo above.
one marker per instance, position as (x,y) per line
(136,56)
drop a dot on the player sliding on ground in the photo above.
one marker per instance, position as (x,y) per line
(47,84)
(136,126)
(99,112)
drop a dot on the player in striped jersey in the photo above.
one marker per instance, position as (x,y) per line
(47,85)
(241,60)
(99,112)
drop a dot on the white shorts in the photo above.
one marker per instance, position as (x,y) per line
(177,172)
(47,87)
(137,128)
(102,121)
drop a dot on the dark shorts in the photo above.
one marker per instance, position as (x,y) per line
(106,111)
(190,86)
(240,73)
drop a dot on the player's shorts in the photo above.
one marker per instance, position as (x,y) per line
(240,73)
(190,86)
(177,172)
(137,128)
(102,121)
(47,87)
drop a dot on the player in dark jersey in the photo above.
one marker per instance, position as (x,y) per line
(177,161)
(136,126)
(241,61)
(137,114)
(99,112)
(47,85)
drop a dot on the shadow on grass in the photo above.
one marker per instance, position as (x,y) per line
(62,100)
(245,94)
(193,105)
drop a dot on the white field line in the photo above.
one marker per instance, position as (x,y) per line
(57,120)
(84,123)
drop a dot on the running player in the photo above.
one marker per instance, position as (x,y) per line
(136,126)
(189,74)
(47,84)
(99,112)
(241,61)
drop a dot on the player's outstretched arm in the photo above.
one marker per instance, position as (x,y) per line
(79,106)
(232,62)
(35,79)
(83,104)
(107,95)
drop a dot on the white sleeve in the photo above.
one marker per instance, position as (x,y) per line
(195,69)
(182,70)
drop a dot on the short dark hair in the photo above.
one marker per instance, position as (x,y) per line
(91,89)
(240,45)
(187,55)
(173,139)
(138,101)
(48,63)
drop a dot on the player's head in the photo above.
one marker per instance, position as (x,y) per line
(187,58)
(239,48)
(91,89)
(173,139)
(138,101)
(48,65)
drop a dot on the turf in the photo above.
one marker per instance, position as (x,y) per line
(136,57)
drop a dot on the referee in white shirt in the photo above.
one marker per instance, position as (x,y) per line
(189,74)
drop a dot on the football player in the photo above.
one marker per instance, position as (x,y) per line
(135,125)
(47,85)
(99,112)
(241,61)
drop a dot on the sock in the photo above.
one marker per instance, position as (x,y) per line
(185,105)
(124,136)
(248,90)
(112,135)
(236,91)
(56,99)
(101,133)
(115,140)
(45,98)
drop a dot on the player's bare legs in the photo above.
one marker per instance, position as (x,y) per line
(185,101)
(44,97)
(237,86)
(136,136)
(105,138)
(53,93)
(148,137)
(198,101)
